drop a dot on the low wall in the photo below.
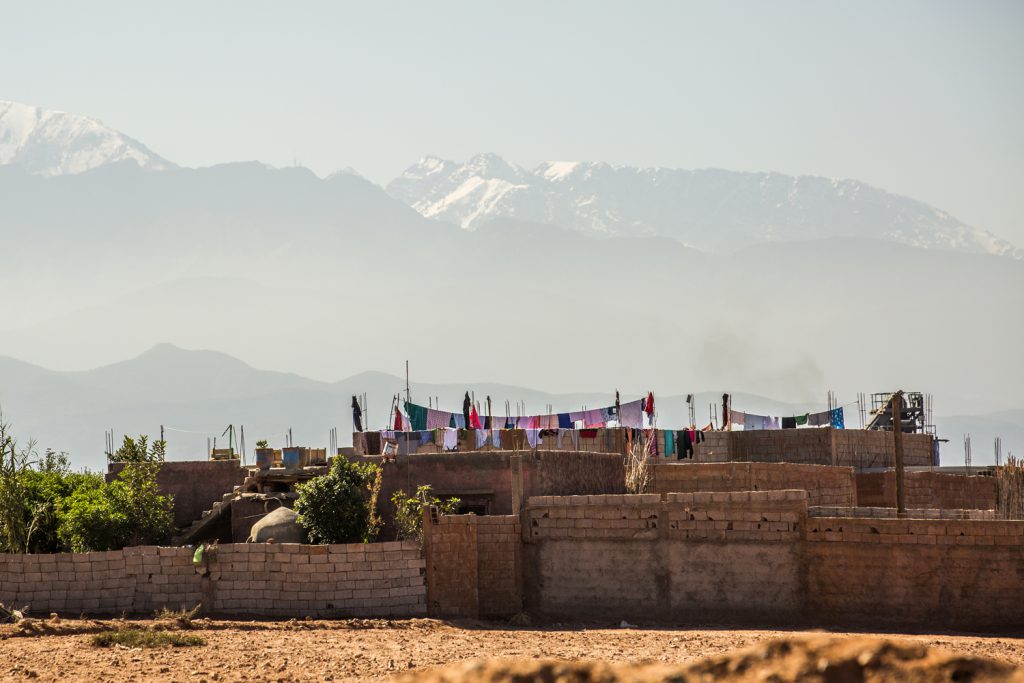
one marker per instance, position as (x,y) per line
(928,490)
(195,484)
(818,446)
(285,580)
(474,566)
(759,558)
(824,485)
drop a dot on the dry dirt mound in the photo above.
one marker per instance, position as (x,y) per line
(822,659)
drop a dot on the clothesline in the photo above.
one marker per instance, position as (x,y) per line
(631,414)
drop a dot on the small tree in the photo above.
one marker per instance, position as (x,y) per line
(337,507)
(408,518)
(127,511)
(138,450)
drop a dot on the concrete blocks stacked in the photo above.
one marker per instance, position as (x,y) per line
(705,516)
(916,531)
(382,579)
(825,485)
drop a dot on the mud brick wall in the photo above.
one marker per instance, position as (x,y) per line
(955,574)
(474,566)
(825,485)
(759,558)
(861,448)
(672,557)
(383,579)
(195,485)
(928,490)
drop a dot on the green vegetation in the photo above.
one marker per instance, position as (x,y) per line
(47,508)
(135,450)
(31,490)
(131,636)
(340,507)
(128,511)
(409,511)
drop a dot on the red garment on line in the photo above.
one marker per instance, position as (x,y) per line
(398,420)
(649,404)
(474,419)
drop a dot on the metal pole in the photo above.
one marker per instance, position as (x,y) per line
(897,435)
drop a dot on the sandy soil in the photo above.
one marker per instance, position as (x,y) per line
(379,650)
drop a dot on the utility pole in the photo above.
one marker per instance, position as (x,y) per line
(897,435)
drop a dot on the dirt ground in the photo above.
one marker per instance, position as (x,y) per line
(380,650)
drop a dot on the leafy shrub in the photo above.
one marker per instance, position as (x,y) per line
(139,450)
(127,511)
(339,506)
(31,488)
(408,518)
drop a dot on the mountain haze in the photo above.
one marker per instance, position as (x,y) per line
(326,277)
(709,209)
(196,394)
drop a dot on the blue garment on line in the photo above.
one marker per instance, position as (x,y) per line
(563,421)
(838,422)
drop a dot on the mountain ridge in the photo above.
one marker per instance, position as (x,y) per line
(709,209)
(51,142)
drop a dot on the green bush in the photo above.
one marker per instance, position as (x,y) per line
(139,450)
(340,507)
(408,518)
(132,637)
(128,511)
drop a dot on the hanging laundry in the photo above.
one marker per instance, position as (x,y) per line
(838,420)
(801,420)
(417,416)
(481,437)
(398,424)
(789,423)
(563,421)
(466,403)
(496,438)
(451,439)
(533,437)
(631,414)
(588,433)
(457,422)
(593,418)
(438,419)
(474,419)
(649,405)
(670,445)
(822,419)
(576,416)
(737,418)
(357,415)
(775,424)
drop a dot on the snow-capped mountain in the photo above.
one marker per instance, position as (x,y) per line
(708,209)
(55,143)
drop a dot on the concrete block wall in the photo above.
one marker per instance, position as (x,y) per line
(760,558)
(671,557)
(893,513)
(825,485)
(474,566)
(287,580)
(953,574)
(928,490)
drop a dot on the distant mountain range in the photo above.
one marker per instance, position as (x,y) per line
(54,142)
(196,394)
(330,276)
(709,209)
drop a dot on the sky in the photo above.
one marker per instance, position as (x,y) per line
(920,98)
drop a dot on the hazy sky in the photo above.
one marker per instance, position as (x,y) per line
(921,98)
